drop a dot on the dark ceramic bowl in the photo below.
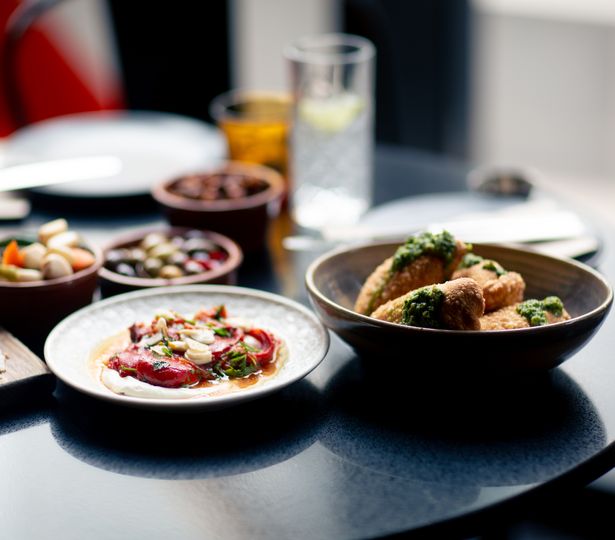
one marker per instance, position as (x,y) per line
(29,310)
(112,283)
(333,282)
(245,220)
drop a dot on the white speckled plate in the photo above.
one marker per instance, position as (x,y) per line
(152,147)
(69,347)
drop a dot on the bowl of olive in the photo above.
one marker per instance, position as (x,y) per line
(163,256)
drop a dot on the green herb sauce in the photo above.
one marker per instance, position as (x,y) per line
(441,245)
(535,311)
(495,267)
(422,308)
(470,259)
(553,305)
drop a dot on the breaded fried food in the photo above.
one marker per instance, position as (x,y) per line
(500,287)
(525,314)
(424,259)
(454,305)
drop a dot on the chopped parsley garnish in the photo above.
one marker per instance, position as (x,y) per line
(128,369)
(220,312)
(157,365)
(535,311)
(247,347)
(441,245)
(161,349)
(422,308)
(221,331)
(237,364)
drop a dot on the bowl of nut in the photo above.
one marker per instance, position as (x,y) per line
(162,256)
(238,200)
(44,277)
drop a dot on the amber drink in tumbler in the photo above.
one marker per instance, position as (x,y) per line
(256,127)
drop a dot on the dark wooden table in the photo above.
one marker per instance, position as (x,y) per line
(336,455)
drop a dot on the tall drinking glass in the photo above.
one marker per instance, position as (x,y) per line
(332,129)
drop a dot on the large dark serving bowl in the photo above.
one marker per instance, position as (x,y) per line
(333,282)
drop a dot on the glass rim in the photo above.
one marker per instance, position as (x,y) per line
(302,49)
(220,106)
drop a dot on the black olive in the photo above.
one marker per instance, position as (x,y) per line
(200,255)
(115,257)
(125,269)
(140,270)
(198,244)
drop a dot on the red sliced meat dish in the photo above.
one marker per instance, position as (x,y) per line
(169,372)
(224,344)
(267,345)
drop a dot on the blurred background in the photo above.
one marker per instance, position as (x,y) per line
(490,81)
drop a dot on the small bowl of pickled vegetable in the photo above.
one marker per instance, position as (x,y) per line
(168,256)
(44,277)
(238,200)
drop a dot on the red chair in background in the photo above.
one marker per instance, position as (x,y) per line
(50,66)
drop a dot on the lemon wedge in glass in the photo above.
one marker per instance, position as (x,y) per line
(332,114)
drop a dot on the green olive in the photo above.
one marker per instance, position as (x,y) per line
(136,255)
(170,271)
(162,251)
(152,266)
(178,258)
(152,240)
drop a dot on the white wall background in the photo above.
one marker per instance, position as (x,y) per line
(544,92)
(543,86)
(261,28)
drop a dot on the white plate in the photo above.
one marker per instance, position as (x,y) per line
(151,146)
(68,348)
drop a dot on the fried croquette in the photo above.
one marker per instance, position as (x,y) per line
(454,305)
(424,259)
(500,287)
(526,314)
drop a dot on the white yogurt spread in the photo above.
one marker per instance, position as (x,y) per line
(129,386)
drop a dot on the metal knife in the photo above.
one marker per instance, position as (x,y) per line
(45,173)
